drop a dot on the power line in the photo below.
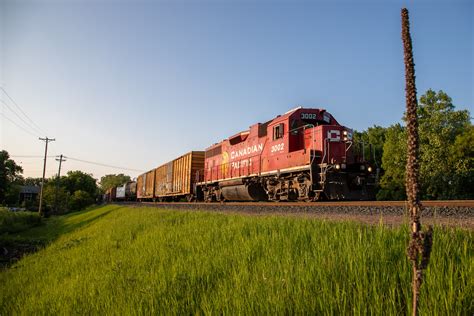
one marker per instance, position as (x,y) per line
(21,127)
(16,104)
(30,156)
(22,119)
(103,164)
(80,160)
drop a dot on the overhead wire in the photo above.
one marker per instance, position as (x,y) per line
(79,160)
(32,128)
(19,126)
(32,156)
(102,164)
(36,128)
(23,112)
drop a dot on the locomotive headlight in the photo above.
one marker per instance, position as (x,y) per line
(369,169)
(338,166)
(344,133)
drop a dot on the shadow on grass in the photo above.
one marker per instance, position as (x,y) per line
(61,225)
(15,245)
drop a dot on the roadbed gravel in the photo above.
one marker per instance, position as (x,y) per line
(454,216)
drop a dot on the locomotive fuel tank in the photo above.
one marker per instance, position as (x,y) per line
(237,190)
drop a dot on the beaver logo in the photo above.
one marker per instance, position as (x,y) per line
(225,163)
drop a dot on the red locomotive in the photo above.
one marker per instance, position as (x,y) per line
(303,155)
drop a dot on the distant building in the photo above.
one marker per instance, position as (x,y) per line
(29,193)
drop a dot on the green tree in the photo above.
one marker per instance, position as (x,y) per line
(80,199)
(439,125)
(392,182)
(9,174)
(78,180)
(444,161)
(72,192)
(112,180)
(32,181)
(462,160)
(56,199)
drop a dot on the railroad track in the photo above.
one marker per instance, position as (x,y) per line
(451,203)
(445,213)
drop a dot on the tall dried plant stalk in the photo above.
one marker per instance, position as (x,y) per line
(419,248)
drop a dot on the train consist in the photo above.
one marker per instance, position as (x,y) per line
(302,155)
(124,192)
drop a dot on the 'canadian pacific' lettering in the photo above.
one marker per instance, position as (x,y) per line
(246,151)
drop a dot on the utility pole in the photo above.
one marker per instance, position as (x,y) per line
(57,181)
(46,140)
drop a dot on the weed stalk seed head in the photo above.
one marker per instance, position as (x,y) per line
(419,248)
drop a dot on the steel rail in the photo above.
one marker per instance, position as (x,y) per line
(450,203)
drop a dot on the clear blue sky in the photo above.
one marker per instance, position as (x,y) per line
(136,84)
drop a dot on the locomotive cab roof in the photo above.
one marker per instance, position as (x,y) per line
(312,116)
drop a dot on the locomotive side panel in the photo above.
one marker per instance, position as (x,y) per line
(263,149)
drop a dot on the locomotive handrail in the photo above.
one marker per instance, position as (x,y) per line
(302,126)
(350,145)
(324,150)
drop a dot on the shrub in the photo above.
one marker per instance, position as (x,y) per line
(80,200)
(11,222)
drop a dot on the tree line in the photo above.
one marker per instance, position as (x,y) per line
(72,192)
(446,154)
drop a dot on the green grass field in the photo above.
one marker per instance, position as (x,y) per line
(120,260)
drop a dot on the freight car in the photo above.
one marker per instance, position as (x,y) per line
(110,195)
(126,192)
(172,181)
(303,155)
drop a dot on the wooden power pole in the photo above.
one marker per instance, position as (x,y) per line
(60,159)
(46,140)
(419,248)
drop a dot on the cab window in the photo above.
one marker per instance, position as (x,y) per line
(278,131)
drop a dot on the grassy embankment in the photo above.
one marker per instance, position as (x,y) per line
(12,242)
(120,260)
(12,222)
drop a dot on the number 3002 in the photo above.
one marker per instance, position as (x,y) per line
(308,116)
(278,147)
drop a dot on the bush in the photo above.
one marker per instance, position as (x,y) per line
(11,222)
(80,200)
(30,205)
(56,199)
